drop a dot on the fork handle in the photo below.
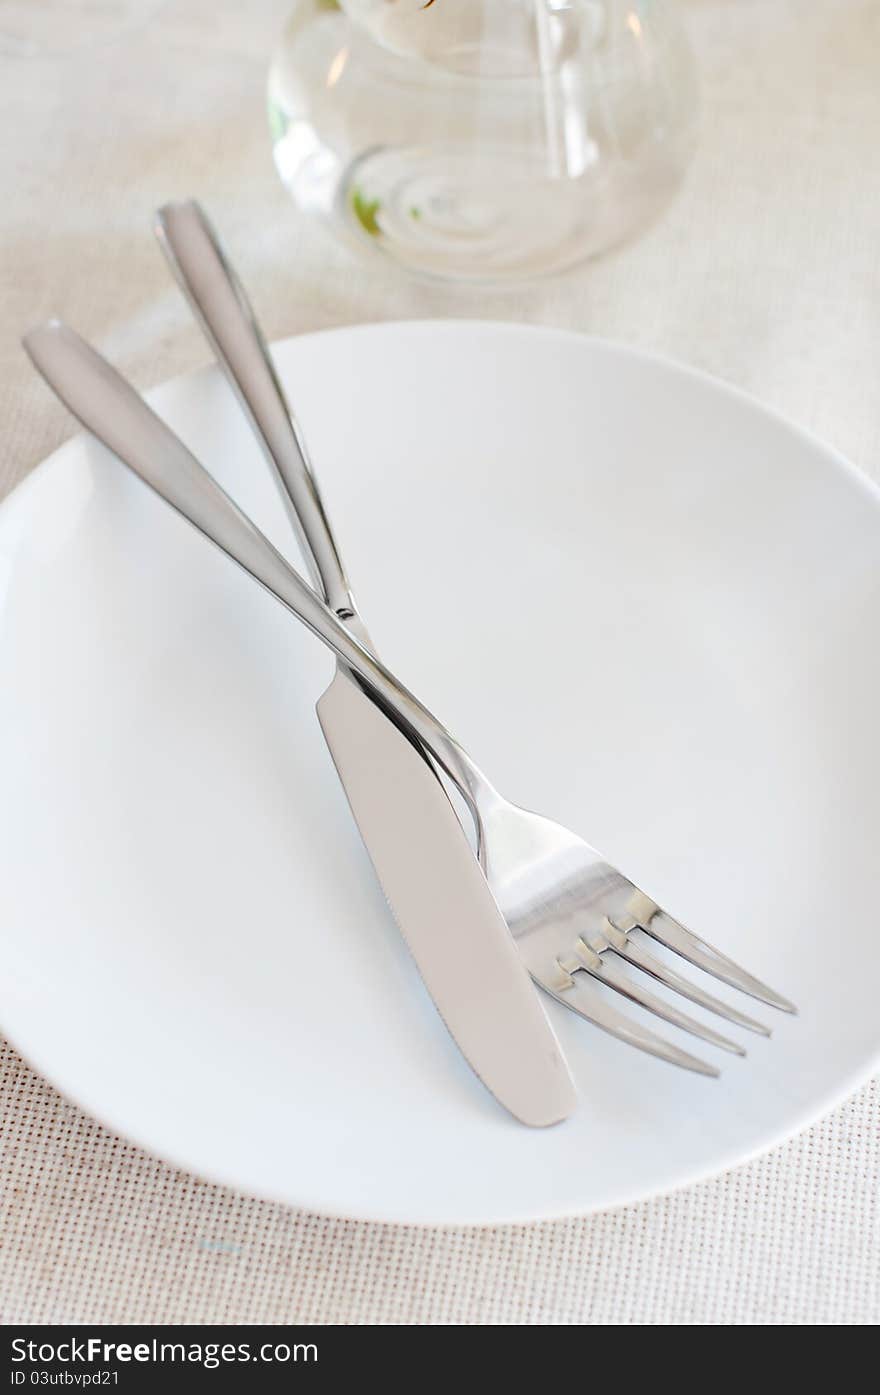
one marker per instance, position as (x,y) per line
(112,410)
(223,310)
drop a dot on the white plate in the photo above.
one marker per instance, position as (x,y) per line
(674,593)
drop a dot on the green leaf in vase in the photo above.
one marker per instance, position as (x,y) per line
(366,211)
(277,121)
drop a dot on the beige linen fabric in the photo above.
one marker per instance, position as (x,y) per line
(767,273)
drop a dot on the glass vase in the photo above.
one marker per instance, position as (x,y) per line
(483,140)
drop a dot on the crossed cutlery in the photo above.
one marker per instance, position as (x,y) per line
(576,920)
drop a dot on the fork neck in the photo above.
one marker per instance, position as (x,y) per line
(437,745)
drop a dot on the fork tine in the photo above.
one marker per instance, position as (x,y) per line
(703,956)
(641,958)
(607,970)
(582,999)
(671,933)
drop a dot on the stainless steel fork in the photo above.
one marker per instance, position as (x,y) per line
(571,913)
(576,919)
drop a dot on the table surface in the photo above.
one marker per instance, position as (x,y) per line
(766,272)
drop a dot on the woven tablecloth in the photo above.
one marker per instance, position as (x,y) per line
(766,272)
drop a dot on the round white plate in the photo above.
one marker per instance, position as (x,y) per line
(648,606)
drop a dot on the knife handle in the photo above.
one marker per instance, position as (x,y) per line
(221,306)
(112,410)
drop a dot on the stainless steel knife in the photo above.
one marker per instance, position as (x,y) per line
(448,916)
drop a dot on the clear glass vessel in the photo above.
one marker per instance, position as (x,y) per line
(483,139)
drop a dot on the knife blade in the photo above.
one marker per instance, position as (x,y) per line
(444,908)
